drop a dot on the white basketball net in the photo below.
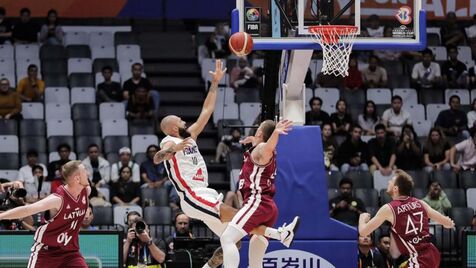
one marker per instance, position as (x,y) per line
(336,42)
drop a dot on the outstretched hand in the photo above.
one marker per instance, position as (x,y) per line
(184,144)
(283,127)
(247,140)
(219,72)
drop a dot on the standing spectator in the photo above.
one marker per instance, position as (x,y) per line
(354,80)
(25,31)
(437,198)
(316,116)
(10,103)
(136,81)
(471,116)
(451,33)
(436,152)
(51,33)
(98,168)
(125,160)
(240,74)
(369,118)
(453,121)
(54,168)
(140,105)
(408,150)
(25,174)
(227,144)
(109,91)
(453,71)
(217,43)
(383,247)
(426,74)
(38,188)
(345,207)
(5,27)
(467,149)
(368,257)
(353,152)
(396,117)
(374,28)
(329,147)
(374,75)
(125,191)
(341,120)
(382,152)
(31,88)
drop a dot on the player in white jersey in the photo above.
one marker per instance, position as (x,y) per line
(188,172)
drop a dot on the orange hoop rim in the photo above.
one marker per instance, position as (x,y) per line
(332,33)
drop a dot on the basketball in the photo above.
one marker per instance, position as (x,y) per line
(241,44)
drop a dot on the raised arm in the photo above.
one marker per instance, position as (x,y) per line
(50,202)
(446,221)
(169,149)
(209,105)
(367,225)
(264,151)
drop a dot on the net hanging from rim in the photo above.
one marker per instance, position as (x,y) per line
(336,42)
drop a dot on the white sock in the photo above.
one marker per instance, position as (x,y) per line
(206,265)
(272,233)
(258,246)
(231,255)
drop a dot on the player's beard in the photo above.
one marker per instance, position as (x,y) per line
(184,133)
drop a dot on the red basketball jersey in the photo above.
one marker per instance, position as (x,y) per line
(62,230)
(256,179)
(410,229)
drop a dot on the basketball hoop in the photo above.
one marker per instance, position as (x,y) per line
(336,42)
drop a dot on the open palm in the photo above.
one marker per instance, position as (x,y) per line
(219,72)
(284,126)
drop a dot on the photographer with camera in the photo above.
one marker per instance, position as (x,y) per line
(140,250)
(12,194)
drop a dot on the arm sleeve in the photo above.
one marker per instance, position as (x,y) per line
(415,71)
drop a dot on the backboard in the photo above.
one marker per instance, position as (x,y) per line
(283,24)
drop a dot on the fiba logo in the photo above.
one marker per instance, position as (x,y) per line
(295,258)
(252,15)
(403,15)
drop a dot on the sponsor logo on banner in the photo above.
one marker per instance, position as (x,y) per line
(404,15)
(253,20)
(294,258)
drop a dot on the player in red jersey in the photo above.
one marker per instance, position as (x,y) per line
(56,242)
(256,185)
(409,217)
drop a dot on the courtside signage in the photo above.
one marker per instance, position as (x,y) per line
(294,258)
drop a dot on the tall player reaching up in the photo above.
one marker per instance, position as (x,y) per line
(188,173)
(56,242)
(256,185)
(409,217)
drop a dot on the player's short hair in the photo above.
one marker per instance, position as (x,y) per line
(70,168)
(404,182)
(267,128)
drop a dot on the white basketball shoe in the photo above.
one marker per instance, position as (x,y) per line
(287,232)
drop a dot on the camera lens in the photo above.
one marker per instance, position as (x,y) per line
(19,193)
(140,227)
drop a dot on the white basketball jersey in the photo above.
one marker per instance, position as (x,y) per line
(187,168)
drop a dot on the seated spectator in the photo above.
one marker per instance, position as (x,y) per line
(454,71)
(88,219)
(354,81)
(97,198)
(374,28)
(109,91)
(353,152)
(471,116)
(38,188)
(426,74)
(136,81)
(467,150)
(125,191)
(25,174)
(471,79)
(182,229)
(451,33)
(227,144)
(396,117)
(374,75)
(387,54)
(436,152)
(31,88)
(328,80)
(453,121)
(437,198)
(10,103)
(368,257)
(54,167)
(383,247)
(217,43)
(5,27)
(98,168)
(345,207)
(152,175)
(329,147)
(140,249)
(125,159)
(51,33)
(25,31)
(341,120)
(316,116)
(140,105)
(382,152)
(408,150)
(369,118)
